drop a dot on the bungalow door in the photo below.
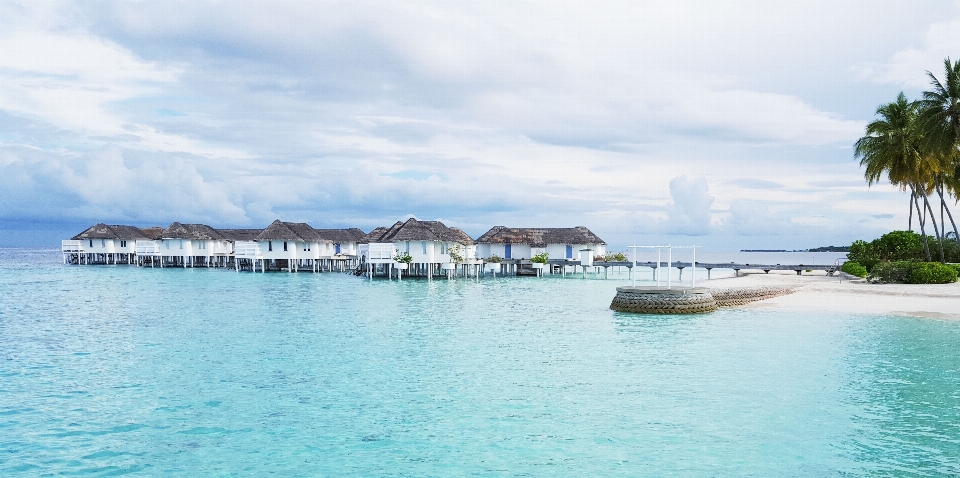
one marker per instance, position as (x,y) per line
(506,251)
(336,248)
(569,252)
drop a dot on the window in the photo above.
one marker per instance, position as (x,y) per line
(202,245)
(166,244)
(181,243)
(284,246)
(408,247)
(123,243)
(91,242)
(103,243)
(443,247)
(270,246)
(424,244)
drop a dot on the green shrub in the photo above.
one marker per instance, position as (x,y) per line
(864,253)
(932,273)
(854,268)
(892,272)
(900,246)
(909,272)
(495,259)
(403,257)
(541,258)
(618,257)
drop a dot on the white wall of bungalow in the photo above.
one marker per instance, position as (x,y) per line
(109,246)
(526,251)
(571,243)
(427,252)
(288,250)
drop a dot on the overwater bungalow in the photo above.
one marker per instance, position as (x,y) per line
(244,248)
(284,246)
(570,243)
(191,244)
(102,244)
(429,244)
(340,249)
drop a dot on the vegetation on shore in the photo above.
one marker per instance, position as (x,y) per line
(916,144)
(830,249)
(899,257)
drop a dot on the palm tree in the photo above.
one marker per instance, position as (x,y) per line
(939,120)
(892,147)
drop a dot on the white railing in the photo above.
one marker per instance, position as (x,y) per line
(693,263)
(146,247)
(247,250)
(381,252)
(74,247)
(220,248)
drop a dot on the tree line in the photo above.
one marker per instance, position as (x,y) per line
(916,144)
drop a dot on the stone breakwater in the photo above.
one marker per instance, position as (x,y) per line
(646,300)
(734,296)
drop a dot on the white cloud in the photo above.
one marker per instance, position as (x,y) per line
(519,113)
(907,67)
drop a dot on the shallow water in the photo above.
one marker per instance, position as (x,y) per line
(107,370)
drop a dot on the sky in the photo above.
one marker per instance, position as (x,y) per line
(725,124)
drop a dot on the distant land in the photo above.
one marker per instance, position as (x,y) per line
(816,249)
(831,249)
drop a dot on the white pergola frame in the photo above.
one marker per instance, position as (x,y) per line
(669,248)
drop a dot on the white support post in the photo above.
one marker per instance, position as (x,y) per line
(669,265)
(693,273)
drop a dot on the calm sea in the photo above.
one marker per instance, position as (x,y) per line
(106,370)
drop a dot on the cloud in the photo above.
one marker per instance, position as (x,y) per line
(907,67)
(753,183)
(612,115)
(689,213)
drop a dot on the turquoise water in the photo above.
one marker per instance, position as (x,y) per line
(106,370)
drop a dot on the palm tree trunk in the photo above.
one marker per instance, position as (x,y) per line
(923,231)
(910,219)
(936,230)
(943,204)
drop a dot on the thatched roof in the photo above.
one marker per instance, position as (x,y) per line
(192,231)
(155,232)
(414,230)
(114,231)
(539,237)
(374,235)
(290,231)
(234,235)
(341,235)
(465,239)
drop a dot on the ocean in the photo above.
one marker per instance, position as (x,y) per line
(110,370)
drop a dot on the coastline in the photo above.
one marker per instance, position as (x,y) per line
(819,292)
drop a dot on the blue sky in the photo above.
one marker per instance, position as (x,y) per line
(724,124)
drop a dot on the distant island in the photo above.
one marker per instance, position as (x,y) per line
(816,249)
(831,249)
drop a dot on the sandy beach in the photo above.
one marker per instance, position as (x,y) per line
(817,291)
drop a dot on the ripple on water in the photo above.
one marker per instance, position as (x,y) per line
(115,370)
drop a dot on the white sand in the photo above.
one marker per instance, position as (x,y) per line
(821,292)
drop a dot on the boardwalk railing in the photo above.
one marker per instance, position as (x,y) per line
(247,250)
(147,248)
(72,247)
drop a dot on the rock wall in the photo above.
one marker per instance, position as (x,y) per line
(695,301)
